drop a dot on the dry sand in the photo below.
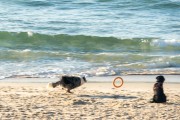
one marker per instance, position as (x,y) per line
(92,101)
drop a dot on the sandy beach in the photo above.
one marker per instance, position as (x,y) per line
(92,101)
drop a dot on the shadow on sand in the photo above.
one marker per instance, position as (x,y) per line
(109,96)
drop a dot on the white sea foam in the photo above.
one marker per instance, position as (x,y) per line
(30,33)
(2,77)
(164,43)
(26,50)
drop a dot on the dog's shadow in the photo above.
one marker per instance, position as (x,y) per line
(171,103)
(109,97)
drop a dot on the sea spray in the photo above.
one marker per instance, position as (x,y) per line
(95,38)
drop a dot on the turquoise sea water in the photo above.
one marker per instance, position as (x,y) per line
(42,38)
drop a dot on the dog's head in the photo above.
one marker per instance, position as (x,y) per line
(160,79)
(83,80)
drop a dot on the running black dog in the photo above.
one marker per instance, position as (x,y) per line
(69,82)
(159,96)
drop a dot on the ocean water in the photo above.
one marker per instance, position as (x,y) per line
(49,38)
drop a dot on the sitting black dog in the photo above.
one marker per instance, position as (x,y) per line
(159,96)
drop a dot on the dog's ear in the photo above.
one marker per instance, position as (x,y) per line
(84,79)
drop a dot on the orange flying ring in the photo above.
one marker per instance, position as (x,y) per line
(121,80)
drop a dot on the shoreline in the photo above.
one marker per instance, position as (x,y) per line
(101,86)
(99,79)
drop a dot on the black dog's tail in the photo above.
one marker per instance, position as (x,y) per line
(53,84)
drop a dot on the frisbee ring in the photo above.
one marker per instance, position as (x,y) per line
(120,79)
